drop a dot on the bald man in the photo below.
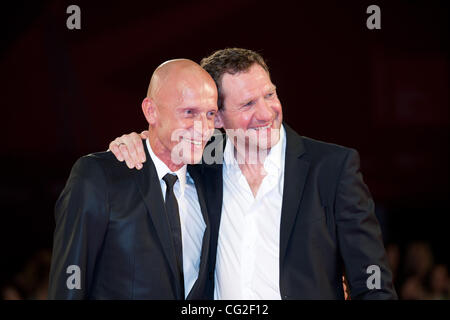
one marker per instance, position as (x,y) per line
(126,234)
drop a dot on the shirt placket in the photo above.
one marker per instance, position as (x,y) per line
(248,248)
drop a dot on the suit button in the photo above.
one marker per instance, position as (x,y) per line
(285,296)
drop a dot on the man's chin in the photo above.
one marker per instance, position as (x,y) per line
(194,156)
(268,142)
(194,159)
(187,153)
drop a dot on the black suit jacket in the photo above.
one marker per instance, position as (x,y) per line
(111,223)
(328,223)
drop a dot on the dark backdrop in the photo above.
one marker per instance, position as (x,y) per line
(66,93)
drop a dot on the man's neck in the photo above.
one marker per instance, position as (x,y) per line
(246,155)
(251,163)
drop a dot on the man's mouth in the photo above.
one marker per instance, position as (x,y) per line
(262,128)
(194,142)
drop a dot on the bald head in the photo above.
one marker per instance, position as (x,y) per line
(180,108)
(174,79)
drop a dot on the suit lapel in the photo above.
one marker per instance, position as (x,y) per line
(150,188)
(209,184)
(295,174)
(195,173)
(214,195)
(214,190)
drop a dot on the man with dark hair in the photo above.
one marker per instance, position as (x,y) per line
(294,220)
(230,61)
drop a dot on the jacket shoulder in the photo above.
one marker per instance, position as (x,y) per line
(99,168)
(323,148)
(105,159)
(315,149)
(329,158)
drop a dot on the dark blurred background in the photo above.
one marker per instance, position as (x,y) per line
(66,93)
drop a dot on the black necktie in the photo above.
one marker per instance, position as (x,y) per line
(175,225)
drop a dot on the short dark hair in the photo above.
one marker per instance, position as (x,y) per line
(230,60)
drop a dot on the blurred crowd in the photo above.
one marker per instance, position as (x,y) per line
(30,283)
(416,275)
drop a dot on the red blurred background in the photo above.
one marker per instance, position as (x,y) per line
(67,93)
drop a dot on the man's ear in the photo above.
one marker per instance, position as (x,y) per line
(149,109)
(218,120)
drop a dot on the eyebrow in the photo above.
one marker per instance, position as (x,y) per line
(247,100)
(271,88)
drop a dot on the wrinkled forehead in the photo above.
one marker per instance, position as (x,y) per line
(189,91)
(246,84)
(194,87)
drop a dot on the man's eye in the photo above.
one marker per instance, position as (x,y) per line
(248,104)
(211,114)
(188,112)
(269,95)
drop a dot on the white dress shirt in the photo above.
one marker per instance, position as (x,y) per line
(191,218)
(248,249)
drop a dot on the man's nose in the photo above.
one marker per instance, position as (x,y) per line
(203,126)
(264,112)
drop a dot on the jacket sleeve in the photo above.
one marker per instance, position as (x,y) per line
(81,215)
(359,235)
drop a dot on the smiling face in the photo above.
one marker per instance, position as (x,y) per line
(180,109)
(251,104)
